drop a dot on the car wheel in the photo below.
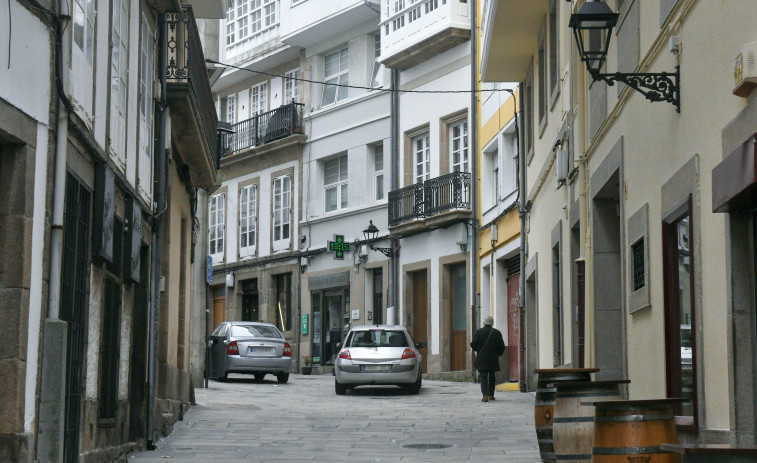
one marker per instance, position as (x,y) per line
(283,378)
(259,376)
(415,388)
(340,389)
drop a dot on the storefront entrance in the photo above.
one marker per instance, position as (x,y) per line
(331,315)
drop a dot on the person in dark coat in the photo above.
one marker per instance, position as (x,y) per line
(488,345)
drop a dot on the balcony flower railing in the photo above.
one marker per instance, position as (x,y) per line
(262,128)
(432,197)
(186,64)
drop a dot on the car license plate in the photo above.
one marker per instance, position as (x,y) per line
(376,368)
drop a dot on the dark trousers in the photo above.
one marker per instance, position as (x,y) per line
(488,381)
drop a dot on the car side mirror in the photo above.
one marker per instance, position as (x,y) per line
(421,345)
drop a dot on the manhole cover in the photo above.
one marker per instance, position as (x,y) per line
(427,446)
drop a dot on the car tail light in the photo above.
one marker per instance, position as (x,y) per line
(287,350)
(345,354)
(232,348)
(408,354)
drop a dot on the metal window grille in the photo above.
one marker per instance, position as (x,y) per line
(110,349)
(639,277)
(73,305)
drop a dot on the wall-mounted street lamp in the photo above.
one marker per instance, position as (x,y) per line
(592,26)
(371,235)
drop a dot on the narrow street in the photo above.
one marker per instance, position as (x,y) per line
(304,420)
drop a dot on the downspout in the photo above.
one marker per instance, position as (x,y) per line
(394,122)
(522,213)
(473,250)
(156,248)
(62,61)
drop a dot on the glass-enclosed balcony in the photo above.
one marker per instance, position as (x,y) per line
(436,202)
(305,23)
(413,31)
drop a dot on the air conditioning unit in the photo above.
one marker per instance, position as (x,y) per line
(745,70)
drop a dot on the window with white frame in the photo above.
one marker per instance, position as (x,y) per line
(292,86)
(282,196)
(83,52)
(119,54)
(336,73)
(494,179)
(378,171)
(335,183)
(216,223)
(377,78)
(231,102)
(259,98)
(422,158)
(247,18)
(414,14)
(146,67)
(458,136)
(248,196)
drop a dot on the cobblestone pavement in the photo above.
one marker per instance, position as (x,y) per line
(304,420)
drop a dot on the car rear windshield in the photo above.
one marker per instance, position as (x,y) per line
(377,338)
(255,331)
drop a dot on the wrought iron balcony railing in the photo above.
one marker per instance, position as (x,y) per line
(186,64)
(262,128)
(430,198)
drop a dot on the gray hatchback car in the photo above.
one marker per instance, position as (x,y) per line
(249,347)
(378,355)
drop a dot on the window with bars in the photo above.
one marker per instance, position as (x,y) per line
(216,224)
(335,184)
(639,277)
(110,349)
(292,86)
(282,192)
(247,220)
(422,158)
(458,135)
(336,71)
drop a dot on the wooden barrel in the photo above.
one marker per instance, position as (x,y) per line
(632,431)
(544,407)
(573,423)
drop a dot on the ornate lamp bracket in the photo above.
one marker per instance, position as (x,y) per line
(655,86)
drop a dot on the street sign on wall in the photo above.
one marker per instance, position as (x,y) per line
(305,323)
(209,276)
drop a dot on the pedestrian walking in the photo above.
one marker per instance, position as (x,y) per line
(488,345)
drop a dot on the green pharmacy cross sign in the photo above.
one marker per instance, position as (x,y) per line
(339,247)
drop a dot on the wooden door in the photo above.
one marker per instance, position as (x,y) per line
(458,319)
(219,306)
(420,312)
(513,326)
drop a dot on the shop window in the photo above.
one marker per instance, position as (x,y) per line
(283,307)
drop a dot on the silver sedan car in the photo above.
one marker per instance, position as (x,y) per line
(249,347)
(378,355)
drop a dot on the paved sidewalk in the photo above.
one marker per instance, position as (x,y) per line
(304,420)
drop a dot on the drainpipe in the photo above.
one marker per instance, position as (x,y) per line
(522,213)
(473,250)
(62,62)
(156,248)
(394,121)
